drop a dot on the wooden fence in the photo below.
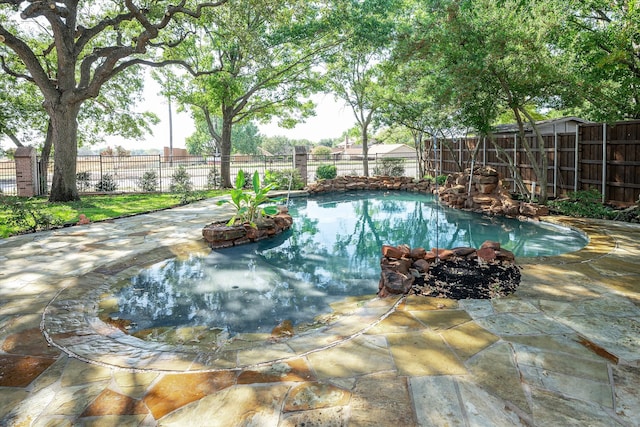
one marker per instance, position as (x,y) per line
(605,157)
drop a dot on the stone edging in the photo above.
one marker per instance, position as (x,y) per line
(486,193)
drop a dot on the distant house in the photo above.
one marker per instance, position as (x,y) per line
(347,150)
(392,150)
(546,127)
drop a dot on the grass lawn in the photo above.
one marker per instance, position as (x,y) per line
(24,215)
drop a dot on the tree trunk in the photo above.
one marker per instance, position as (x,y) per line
(225,150)
(540,169)
(419,146)
(64,133)
(43,163)
(365,150)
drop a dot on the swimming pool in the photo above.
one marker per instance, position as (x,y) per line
(332,251)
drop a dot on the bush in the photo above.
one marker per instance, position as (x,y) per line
(149,181)
(213,178)
(440,179)
(321,152)
(181,184)
(26,214)
(326,172)
(390,167)
(180,181)
(279,179)
(583,203)
(83,180)
(106,184)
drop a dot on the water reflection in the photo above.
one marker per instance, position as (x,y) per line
(332,251)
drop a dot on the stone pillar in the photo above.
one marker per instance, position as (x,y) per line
(300,161)
(26,171)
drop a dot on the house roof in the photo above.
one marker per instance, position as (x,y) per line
(353,150)
(389,148)
(513,127)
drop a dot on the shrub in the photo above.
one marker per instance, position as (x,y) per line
(83,180)
(149,181)
(26,214)
(440,179)
(213,178)
(106,184)
(181,184)
(279,179)
(326,172)
(180,180)
(390,167)
(583,203)
(321,152)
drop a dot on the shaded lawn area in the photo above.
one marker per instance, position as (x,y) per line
(19,215)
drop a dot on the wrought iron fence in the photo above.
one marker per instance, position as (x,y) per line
(157,173)
(355,167)
(149,173)
(8,177)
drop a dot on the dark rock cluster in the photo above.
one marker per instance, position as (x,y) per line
(458,273)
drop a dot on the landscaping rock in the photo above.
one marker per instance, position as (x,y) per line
(460,273)
(219,235)
(485,195)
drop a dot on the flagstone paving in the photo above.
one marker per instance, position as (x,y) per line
(563,350)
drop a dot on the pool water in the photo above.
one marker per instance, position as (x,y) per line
(332,251)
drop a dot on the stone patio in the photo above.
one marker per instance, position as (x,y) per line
(563,350)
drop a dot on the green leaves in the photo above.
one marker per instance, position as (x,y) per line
(247,203)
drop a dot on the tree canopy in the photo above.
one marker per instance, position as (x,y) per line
(71,49)
(69,70)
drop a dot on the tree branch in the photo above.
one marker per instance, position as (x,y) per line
(38,75)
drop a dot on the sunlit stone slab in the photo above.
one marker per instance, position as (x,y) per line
(423,353)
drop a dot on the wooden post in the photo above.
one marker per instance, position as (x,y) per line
(515,160)
(604,162)
(576,159)
(555,161)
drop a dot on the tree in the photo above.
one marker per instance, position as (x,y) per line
(600,41)
(282,145)
(321,152)
(354,72)
(25,122)
(497,56)
(413,99)
(264,53)
(245,138)
(71,49)
(354,79)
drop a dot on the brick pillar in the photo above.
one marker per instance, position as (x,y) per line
(300,161)
(26,171)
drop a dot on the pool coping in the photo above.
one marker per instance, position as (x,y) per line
(72,323)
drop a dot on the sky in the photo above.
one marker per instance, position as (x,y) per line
(330,121)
